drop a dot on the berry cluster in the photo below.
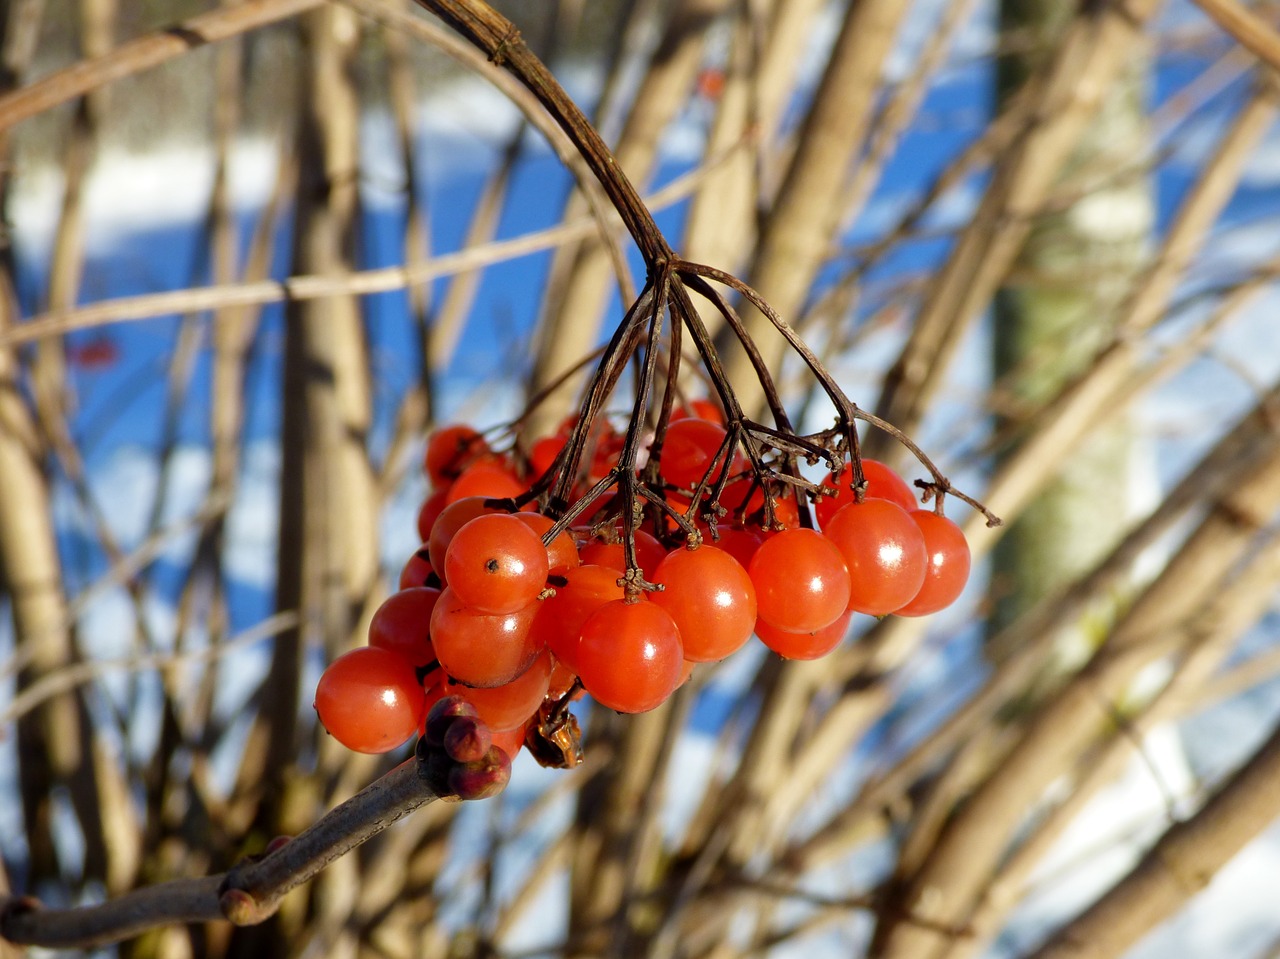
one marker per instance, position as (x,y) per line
(516,611)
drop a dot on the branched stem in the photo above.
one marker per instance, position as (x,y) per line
(667,287)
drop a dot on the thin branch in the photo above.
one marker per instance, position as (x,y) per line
(1179,865)
(311,286)
(144,53)
(1253,33)
(251,891)
(246,894)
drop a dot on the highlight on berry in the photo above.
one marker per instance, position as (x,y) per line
(601,562)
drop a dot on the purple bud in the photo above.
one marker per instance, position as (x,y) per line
(481,779)
(467,740)
(442,715)
(275,844)
(239,907)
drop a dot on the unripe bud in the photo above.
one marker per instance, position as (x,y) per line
(467,740)
(482,779)
(442,716)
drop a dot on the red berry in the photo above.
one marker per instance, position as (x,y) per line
(688,448)
(543,453)
(452,518)
(487,479)
(649,553)
(563,551)
(948,566)
(801,580)
(805,645)
(710,597)
(370,700)
(559,620)
(882,483)
(449,450)
(629,655)
(739,543)
(402,624)
(416,569)
(512,704)
(482,649)
(496,564)
(432,506)
(884,550)
(699,408)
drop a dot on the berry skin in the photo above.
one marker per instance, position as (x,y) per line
(710,597)
(370,700)
(432,506)
(801,581)
(738,542)
(629,655)
(482,649)
(806,645)
(948,564)
(559,620)
(543,453)
(882,483)
(496,564)
(417,569)
(402,623)
(884,550)
(451,519)
(449,450)
(491,480)
(741,500)
(699,408)
(649,553)
(563,551)
(511,705)
(688,448)
(510,741)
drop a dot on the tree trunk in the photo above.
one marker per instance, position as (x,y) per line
(1056,310)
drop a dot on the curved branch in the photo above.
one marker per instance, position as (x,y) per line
(501,42)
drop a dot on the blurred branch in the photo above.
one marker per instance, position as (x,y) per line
(1253,32)
(78,673)
(144,53)
(525,98)
(1181,864)
(798,230)
(314,286)
(1096,45)
(948,883)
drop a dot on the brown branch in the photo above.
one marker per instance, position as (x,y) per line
(1181,864)
(501,42)
(1253,33)
(246,894)
(252,891)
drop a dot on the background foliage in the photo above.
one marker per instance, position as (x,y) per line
(240,284)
